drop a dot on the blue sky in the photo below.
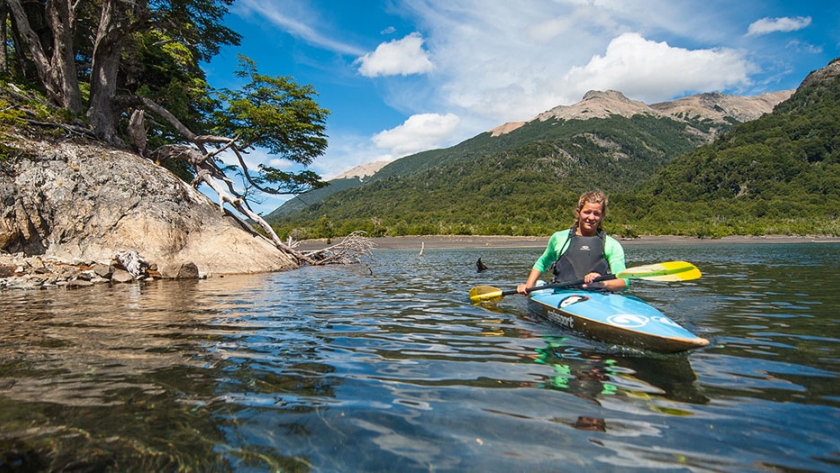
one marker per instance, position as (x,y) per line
(403,76)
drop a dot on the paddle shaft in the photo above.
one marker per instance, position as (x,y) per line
(559,285)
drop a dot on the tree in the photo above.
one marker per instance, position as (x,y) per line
(270,112)
(57,72)
(141,58)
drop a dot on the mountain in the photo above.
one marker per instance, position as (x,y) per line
(777,174)
(362,171)
(667,129)
(715,107)
(351,178)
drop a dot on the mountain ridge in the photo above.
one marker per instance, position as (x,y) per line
(705,114)
(706,106)
(776,175)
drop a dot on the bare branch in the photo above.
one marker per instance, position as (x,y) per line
(77,130)
(352,249)
(248,174)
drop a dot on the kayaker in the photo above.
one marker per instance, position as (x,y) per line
(584,251)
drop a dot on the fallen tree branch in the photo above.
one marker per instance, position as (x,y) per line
(77,130)
(352,249)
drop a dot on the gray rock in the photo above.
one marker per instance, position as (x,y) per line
(121,276)
(102,270)
(77,283)
(87,202)
(188,271)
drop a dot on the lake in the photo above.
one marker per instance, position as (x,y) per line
(387,367)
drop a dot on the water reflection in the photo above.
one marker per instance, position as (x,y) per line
(345,369)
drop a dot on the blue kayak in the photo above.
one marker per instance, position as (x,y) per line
(614,318)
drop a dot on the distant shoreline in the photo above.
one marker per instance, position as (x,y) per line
(445,242)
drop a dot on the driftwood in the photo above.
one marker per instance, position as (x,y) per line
(352,249)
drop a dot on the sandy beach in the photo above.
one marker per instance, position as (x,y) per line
(433,242)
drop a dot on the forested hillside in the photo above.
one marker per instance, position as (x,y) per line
(700,119)
(778,174)
(298,203)
(511,185)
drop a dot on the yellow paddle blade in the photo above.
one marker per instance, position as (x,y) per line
(667,272)
(485,294)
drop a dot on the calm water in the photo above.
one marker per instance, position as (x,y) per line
(389,368)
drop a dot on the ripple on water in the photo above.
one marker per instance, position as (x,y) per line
(390,368)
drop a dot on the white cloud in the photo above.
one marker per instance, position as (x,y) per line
(773,25)
(508,61)
(398,57)
(495,62)
(418,133)
(650,71)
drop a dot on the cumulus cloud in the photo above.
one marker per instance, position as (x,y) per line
(508,61)
(418,133)
(650,71)
(398,57)
(773,25)
(496,62)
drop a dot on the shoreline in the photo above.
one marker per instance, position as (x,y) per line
(456,242)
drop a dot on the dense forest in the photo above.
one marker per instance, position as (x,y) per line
(776,175)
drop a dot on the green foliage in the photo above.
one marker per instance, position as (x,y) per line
(274,113)
(9,115)
(161,48)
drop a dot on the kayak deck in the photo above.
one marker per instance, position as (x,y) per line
(614,318)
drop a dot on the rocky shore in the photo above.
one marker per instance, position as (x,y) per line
(78,205)
(36,272)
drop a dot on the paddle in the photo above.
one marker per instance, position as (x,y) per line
(667,272)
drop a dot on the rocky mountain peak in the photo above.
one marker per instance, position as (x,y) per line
(362,171)
(828,72)
(715,106)
(598,104)
(605,95)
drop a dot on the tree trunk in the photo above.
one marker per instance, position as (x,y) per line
(4,56)
(33,44)
(113,24)
(63,71)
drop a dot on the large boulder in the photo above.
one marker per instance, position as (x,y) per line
(82,201)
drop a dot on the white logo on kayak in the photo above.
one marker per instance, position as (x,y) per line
(572,300)
(628,320)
